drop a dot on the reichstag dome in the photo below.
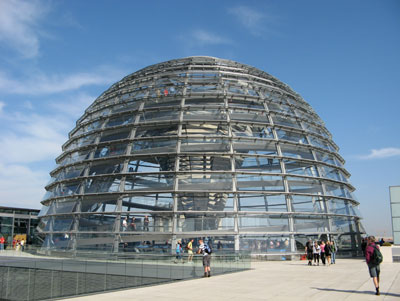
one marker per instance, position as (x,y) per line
(199,147)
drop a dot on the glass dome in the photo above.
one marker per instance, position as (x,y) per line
(199,147)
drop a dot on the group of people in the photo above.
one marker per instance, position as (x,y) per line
(204,249)
(126,226)
(326,251)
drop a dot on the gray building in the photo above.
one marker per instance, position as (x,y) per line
(18,222)
(199,147)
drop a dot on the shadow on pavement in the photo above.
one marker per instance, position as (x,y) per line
(355,292)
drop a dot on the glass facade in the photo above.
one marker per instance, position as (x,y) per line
(199,147)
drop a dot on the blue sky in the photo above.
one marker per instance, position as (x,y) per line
(56,57)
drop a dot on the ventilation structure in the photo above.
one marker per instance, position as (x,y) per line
(199,147)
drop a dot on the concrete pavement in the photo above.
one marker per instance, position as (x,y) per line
(348,279)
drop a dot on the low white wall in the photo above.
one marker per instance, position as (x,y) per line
(387,254)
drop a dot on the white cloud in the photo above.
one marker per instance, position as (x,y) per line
(81,102)
(253,20)
(382,153)
(47,84)
(32,138)
(203,37)
(19,23)
(21,186)
(2,105)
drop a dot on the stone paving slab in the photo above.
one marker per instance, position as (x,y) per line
(348,279)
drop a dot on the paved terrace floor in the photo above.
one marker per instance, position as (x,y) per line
(348,279)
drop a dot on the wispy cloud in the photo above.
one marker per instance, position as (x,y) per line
(2,105)
(256,22)
(19,22)
(47,84)
(382,153)
(203,37)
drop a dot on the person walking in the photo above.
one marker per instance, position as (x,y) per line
(189,248)
(322,247)
(205,249)
(178,251)
(309,251)
(373,262)
(334,250)
(328,252)
(2,241)
(316,252)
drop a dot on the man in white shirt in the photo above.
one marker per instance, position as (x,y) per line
(206,258)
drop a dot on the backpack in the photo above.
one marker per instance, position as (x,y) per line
(377,257)
(207,249)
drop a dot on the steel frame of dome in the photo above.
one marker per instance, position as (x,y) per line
(205,147)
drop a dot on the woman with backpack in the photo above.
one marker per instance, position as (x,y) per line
(373,257)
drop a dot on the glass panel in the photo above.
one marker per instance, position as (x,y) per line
(120,120)
(305,203)
(258,164)
(339,206)
(268,223)
(154,146)
(300,168)
(296,151)
(205,114)
(259,182)
(162,102)
(332,173)
(115,135)
(68,189)
(205,145)
(320,143)
(245,103)
(152,164)
(193,88)
(156,131)
(93,241)
(337,190)
(108,167)
(103,184)
(149,182)
(132,106)
(153,202)
(286,121)
(204,129)
(262,202)
(207,201)
(304,185)
(188,223)
(62,223)
(258,147)
(71,172)
(247,130)
(98,205)
(75,156)
(395,209)
(203,181)
(204,101)
(342,224)
(62,207)
(111,150)
(204,163)
(314,129)
(310,224)
(328,158)
(149,116)
(264,243)
(291,136)
(96,222)
(248,115)
(282,108)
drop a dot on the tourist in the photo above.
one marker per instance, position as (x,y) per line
(363,245)
(322,246)
(23,245)
(334,250)
(124,224)
(328,252)
(146,222)
(189,248)
(373,266)
(178,251)
(133,224)
(316,253)
(309,251)
(205,249)
(2,241)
